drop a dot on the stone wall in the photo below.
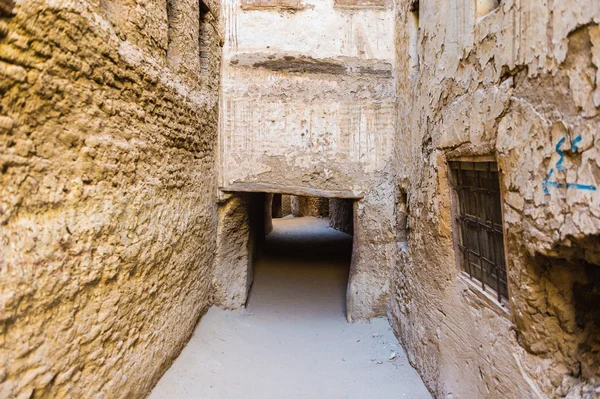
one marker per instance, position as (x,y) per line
(286,205)
(516,82)
(341,215)
(310,206)
(244,221)
(107,184)
(277,206)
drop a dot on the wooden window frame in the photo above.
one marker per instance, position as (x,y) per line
(498,292)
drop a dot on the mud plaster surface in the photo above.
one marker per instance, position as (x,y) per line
(107,209)
(293,340)
(510,85)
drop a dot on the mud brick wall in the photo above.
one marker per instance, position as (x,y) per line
(107,186)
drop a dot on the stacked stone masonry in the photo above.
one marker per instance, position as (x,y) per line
(286,205)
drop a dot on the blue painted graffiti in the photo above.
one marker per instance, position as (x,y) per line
(559,165)
(575,143)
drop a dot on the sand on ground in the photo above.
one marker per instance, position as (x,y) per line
(293,340)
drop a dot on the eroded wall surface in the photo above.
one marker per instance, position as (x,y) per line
(244,221)
(307,95)
(286,205)
(308,109)
(107,186)
(341,215)
(518,83)
(310,206)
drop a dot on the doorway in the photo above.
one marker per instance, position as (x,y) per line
(304,266)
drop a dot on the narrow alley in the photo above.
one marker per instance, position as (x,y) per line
(293,339)
(324,199)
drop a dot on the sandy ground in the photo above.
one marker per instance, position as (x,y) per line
(293,340)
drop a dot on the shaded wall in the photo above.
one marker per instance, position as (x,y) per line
(277,206)
(244,221)
(341,215)
(107,182)
(286,205)
(518,84)
(310,206)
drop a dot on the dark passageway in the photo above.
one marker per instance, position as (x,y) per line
(309,239)
(304,270)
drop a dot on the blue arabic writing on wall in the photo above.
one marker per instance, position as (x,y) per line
(559,165)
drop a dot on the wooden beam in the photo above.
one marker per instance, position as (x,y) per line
(362,3)
(272,4)
(292,190)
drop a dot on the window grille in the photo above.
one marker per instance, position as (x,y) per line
(479,221)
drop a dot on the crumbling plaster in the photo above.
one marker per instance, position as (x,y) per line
(512,84)
(107,197)
(309,106)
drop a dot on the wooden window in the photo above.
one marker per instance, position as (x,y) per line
(478,213)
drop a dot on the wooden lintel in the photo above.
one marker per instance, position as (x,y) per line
(291,190)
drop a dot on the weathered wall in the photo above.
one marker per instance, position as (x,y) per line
(308,109)
(286,205)
(310,206)
(277,206)
(107,184)
(341,215)
(267,209)
(243,224)
(519,83)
